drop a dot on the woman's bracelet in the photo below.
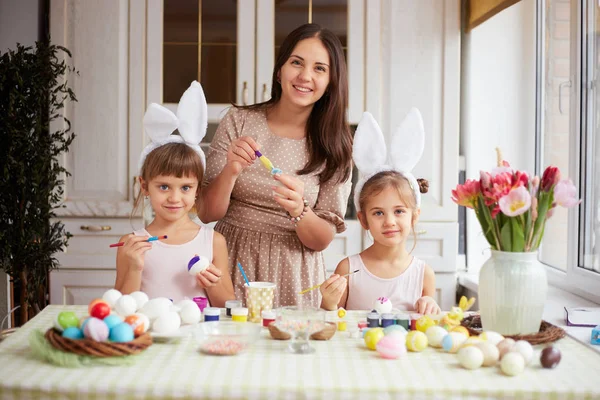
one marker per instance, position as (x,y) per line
(297,219)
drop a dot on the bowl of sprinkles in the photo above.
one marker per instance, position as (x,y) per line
(226,338)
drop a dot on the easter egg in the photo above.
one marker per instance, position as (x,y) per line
(391,347)
(166,323)
(383,305)
(121,333)
(140,298)
(492,337)
(100,310)
(435,335)
(197,264)
(524,348)
(190,314)
(424,323)
(512,363)
(416,341)
(73,332)
(341,312)
(472,340)
(126,305)
(470,357)
(491,354)
(394,329)
(66,319)
(139,323)
(460,329)
(93,303)
(96,329)
(112,320)
(504,346)
(155,307)
(453,341)
(111,296)
(82,322)
(550,357)
(372,337)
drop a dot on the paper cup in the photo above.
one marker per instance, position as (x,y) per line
(259,297)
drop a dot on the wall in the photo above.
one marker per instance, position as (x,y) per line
(498,102)
(19,23)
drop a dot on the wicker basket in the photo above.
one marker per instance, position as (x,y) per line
(89,347)
(548,333)
(324,334)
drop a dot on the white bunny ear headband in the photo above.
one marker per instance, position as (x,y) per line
(371,157)
(191,121)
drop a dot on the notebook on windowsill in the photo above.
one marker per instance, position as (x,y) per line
(582,316)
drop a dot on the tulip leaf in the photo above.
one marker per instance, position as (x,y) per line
(506,237)
(518,236)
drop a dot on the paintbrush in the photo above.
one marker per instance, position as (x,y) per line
(150,239)
(319,285)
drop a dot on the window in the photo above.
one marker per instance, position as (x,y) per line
(568,119)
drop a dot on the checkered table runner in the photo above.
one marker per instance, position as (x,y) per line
(341,368)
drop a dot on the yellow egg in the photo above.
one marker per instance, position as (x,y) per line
(492,337)
(372,337)
(416,341)
(341,312)
(424,323)
(471,341)
(460,329)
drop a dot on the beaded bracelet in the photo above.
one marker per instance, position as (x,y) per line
(297,219)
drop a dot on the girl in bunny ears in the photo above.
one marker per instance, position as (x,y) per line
(171,169)
(388,200)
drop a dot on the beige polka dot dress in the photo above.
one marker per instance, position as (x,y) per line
(259,235)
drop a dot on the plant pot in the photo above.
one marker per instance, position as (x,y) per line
(512,293)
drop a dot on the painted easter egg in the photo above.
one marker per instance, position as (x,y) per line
(472,340)
(190,314)
(470,357)
(512,363)
(96,329)
(112,320)
(66,319)
(100,310)
(341,313)
(197,264)
(140,298)
(167,323)
(139,323)
(372,337)
(93,303)
(550,357)
(424,323)
(391,346)
(383,305)
(83,321)
(504,346)
(491,354)
(492,337)
(461,329)
(416,341)
(453,341)
(126,305)
(435,335)
(111,296)
(524,348)
(121,333)
(73,332)
(394,329)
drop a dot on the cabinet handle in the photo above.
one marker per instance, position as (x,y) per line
(560,88)
(135,193)
(95,228)
(421,232)
(265,94)
(245,94)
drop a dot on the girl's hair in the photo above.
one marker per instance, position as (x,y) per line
(171,159)
(383,180)
(329,139)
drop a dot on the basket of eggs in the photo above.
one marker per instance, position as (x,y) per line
(102,333)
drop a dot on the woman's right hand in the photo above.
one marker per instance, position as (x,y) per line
(332,290)
(133,250)
(241,154)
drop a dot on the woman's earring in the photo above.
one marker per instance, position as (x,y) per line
(146,197)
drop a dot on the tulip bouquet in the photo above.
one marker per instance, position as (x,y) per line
(512,208)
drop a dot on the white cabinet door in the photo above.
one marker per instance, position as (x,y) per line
(343,245)
(417,64)
(79,287)
(106,41)
(274,20)
(445,290)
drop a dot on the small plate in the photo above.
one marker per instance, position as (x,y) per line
(183,332)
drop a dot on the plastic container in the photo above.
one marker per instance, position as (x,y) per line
(201,302)
(239,314)
(226,337)
(373,320)
(268,316)
(387,320)
(211,314)
(229,304)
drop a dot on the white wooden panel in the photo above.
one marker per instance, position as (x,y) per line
(246,25)
(79,287)
(356,60)
(154,49)
(373,33)
(445,290)
(343,245)
(421,68)
(265,48)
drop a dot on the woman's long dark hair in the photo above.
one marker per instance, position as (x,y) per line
(329,140)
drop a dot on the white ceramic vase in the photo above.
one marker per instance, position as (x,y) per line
(512,292)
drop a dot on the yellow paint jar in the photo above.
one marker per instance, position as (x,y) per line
(239,314)
(342,326)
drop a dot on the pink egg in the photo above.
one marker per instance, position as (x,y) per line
(96,329)
(391,346)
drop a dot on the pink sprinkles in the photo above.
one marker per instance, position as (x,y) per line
(223,347)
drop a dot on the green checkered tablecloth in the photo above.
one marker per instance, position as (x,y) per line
(341,368)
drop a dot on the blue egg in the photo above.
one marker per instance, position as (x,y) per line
(393,328)
(122,332)
(73,333)
(112,320)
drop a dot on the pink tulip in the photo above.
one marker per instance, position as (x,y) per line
(516,202)
(466,194)
(565,194)
(534,211)
(550,178)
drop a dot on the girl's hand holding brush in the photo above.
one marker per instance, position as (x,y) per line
(332,290)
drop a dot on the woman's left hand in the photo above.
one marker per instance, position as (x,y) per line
(427,305)
(290,197)
(209,277)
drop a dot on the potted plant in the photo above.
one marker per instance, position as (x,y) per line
(512,209)
(33,92)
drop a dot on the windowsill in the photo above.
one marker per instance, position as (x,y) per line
(554,311)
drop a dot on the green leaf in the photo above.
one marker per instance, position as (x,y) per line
(506,237)
(518,236)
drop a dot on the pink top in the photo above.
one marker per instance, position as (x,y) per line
(403,291)
(165,266)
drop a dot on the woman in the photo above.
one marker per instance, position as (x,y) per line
(277,225)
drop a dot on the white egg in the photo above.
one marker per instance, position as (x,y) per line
(383,305)
(183,303)
(453,341)
(111,296)
(505,346)
(492,337)
(199,266)
(524,348)
(491,354)
(435,335)
(167,323)
(126,305)
(190,314)
(155,307)
(512,363)
(470,357)
(141,299)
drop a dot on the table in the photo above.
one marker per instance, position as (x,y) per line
(341,368)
